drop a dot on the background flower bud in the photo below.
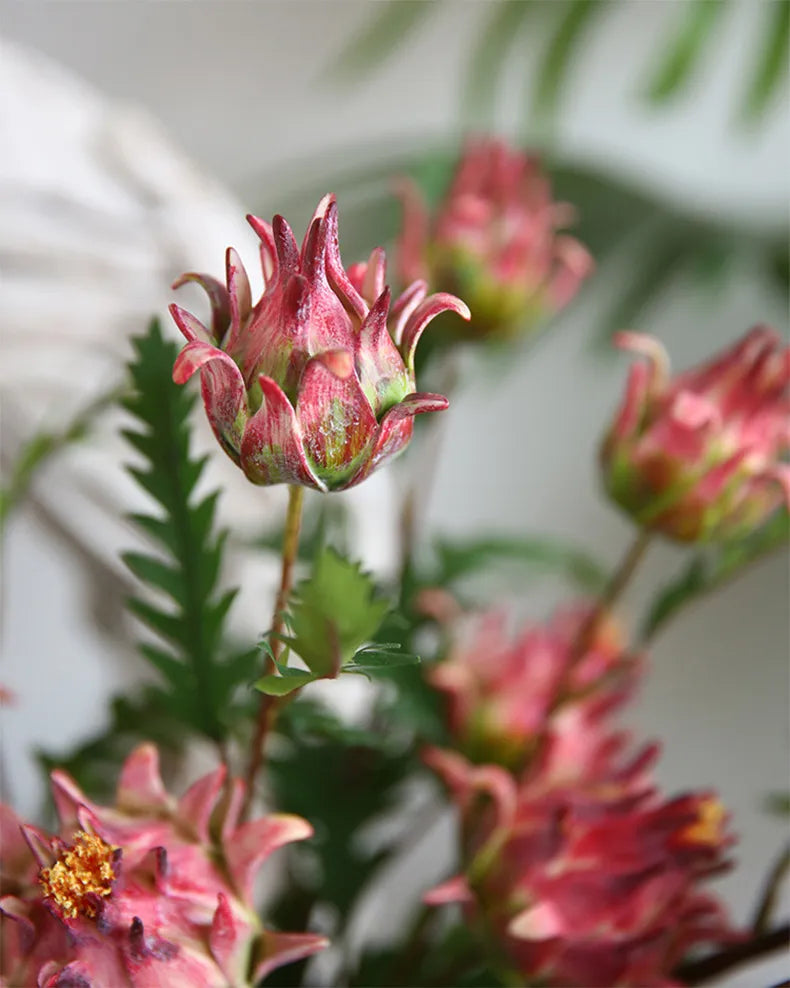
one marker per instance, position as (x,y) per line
(701,456)
(494,241)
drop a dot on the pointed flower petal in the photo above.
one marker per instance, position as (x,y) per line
(219,298)
(272,450)
(335,417)
(252,843)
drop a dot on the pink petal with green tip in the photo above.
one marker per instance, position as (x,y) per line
(336,419)
(272,450)
(252,843)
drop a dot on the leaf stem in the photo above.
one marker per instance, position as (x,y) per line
(612,592)
(267,711)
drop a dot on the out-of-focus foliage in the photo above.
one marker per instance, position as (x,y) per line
(711,568)
(45,444)
(564,26)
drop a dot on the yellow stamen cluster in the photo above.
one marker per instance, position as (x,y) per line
(707,828)
(82,869)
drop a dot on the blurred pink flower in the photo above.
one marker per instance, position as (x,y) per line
(702,456)
(150,892)
(579,868)
(315,383)
(494,241)
(501,688)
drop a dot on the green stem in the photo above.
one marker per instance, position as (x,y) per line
(612,592)
(267,710)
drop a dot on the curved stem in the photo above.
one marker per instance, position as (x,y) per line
(267,710)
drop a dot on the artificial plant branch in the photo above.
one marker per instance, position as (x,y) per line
(704,969)
(267,709)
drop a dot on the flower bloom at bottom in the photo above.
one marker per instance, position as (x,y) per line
(153,892)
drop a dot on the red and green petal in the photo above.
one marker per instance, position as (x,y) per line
(336,419)
(381,370)
(427,310)
(224,394)
(395,430)
(272,448)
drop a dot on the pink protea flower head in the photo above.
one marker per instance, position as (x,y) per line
(701,456)
(494,241)
(594,881)
(501,688)
(314,384)
(151,892)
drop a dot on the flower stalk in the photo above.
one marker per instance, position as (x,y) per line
(267,711)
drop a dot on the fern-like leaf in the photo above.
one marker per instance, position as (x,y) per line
(188,611)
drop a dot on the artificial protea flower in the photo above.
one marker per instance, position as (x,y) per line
(494,241)
(595,882)
(152,892)
(699,457)
(502,688)
(314,384)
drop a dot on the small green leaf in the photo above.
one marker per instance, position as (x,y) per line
(373,659)
(332,613)
(287,682)
(772,61)
(683,52)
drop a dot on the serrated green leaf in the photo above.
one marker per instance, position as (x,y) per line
(199,675)
(175,672)
(155,573)
(681,55)
(282,685)
(332,613)
(169,626)
(711,568)
(772,61)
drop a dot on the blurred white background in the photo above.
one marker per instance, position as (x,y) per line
(241,89)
